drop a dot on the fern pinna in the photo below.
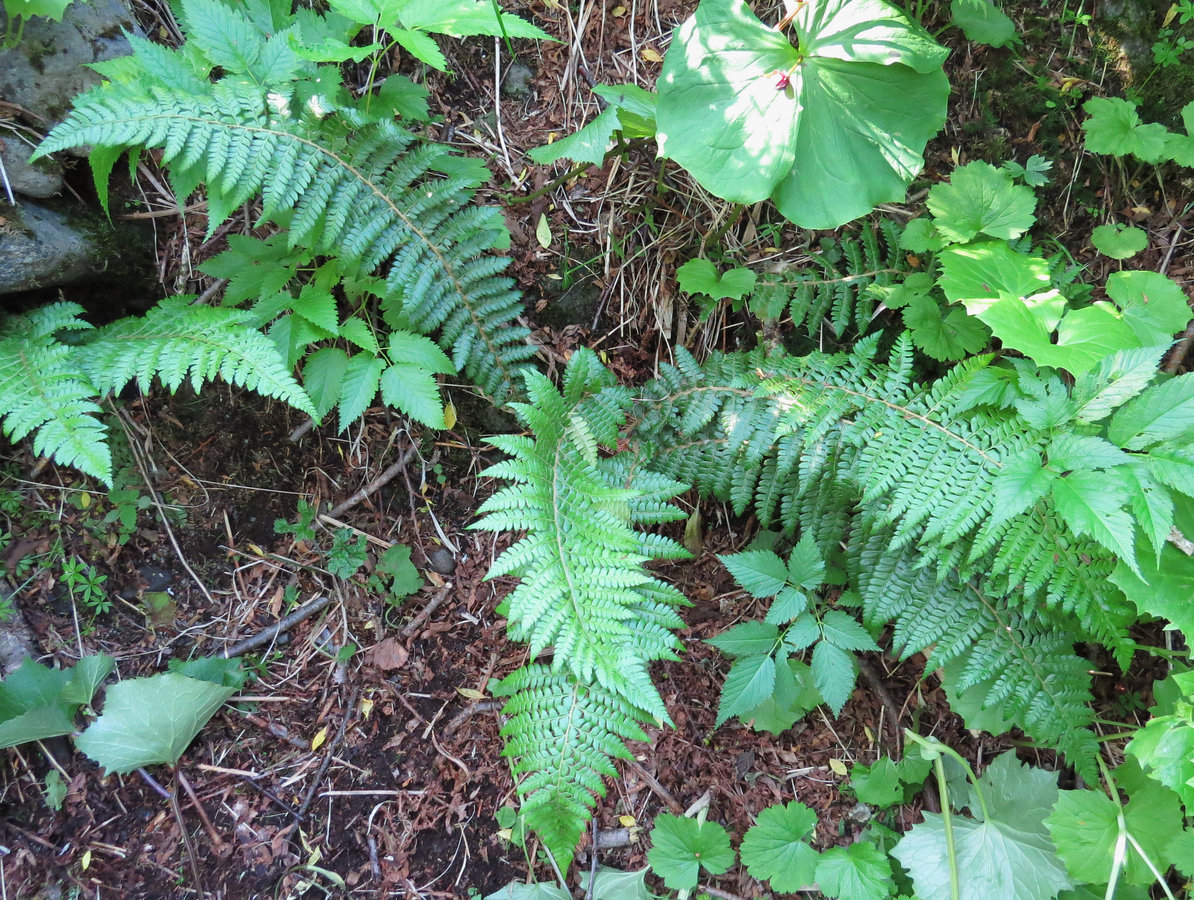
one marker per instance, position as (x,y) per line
(342,181)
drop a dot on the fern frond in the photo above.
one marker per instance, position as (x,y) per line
(178,342)
(562,735)
(364,190)
(45,392)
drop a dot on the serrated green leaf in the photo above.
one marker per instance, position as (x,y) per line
(776,848)
(802,633)
(405,578)
(150,721)
(465,18)
(1115,381)
(842,630)
(681,847)
(944,334)
(412,390)
(1114,127)
(1092,503)
(788,604)
(793,697)
(834,673)
(358,388)
(806,568)
(747,639)
(419,350)
(981,274)
(860,871)
(1163,412)
(1161,588)
(980,199)
(323,378)
(589,144)
(751,680)
(877,784)
(760,573)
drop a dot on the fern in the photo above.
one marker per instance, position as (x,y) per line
(583,594)
(50,388)
(842,285)
(344,183)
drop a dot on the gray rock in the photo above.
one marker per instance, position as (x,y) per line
(517,83)
(40,248)
(40,179)
(46,69)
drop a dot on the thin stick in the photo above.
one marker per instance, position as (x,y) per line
(186,840)
(331,752)
(240,648)
(212,834)
(375,485)
(417,622)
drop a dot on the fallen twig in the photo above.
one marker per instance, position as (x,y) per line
(432,605)
(375,485)
(473,709)
(240,648)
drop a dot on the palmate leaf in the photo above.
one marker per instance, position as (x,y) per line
(750,116)
(980,199)
(860,871)
(681,847)
(776,847)
(151,721)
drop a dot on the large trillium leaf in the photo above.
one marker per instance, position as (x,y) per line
(828,129)
(860,136)
(720,114)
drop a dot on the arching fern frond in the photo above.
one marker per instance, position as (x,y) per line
(363,189)
(562,735)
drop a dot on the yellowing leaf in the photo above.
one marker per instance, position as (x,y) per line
(618,11)
(1169,14)
(366,708)
(470,693)
(870,735)
(85,862)
(85,500)
(320,737)
(255,550)
(627,821)
(450,415)
(650,54)
(838,767)
(543,232)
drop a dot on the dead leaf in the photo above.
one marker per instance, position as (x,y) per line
(389,654)
(650,54)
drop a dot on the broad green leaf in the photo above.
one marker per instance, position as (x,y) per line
(760,573)
(614,884)
(1019,795)
(776,848)
(1083,451)
(834,673)
(877,784)
(802,633)
(860,137)
(793,697)
(1164,747)
(1088,335)
(995,861)
(25,9)
(1154,307)
(463,18)
(1163,412)
(1021,482)
(806,568)
(589,144)
(395,564)
(1026,324)
(751,681)
(419,350)
(700,276)
(860,871)
(828,131)
(421,46)
(360,333)
(944,334)
(1152,505)
(151,721)
(368,12)
(720,113)
(921,236)
(1115,381)
(842,630)
(971,703)
(1092,503)
(981,199)
(36,724)
(519,890)
(316,304)
(1114,128)
(1163,588)
(982,22)
(636,108)
(86,677)
(413,391)
(681,847)
(1119,241)
(1171,465)
(359,386)
(400,96)
(788,604)
(323,377)
(1180,848)
(217,670)
(979,275)
(1085,828)
(747,639)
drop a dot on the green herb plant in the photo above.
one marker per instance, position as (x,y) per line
(18,12)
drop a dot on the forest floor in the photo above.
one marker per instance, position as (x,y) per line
(364,757)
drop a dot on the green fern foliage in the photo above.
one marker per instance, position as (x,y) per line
(562,735)
(49,386)
(341,181)
(44,393)
(583,596)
